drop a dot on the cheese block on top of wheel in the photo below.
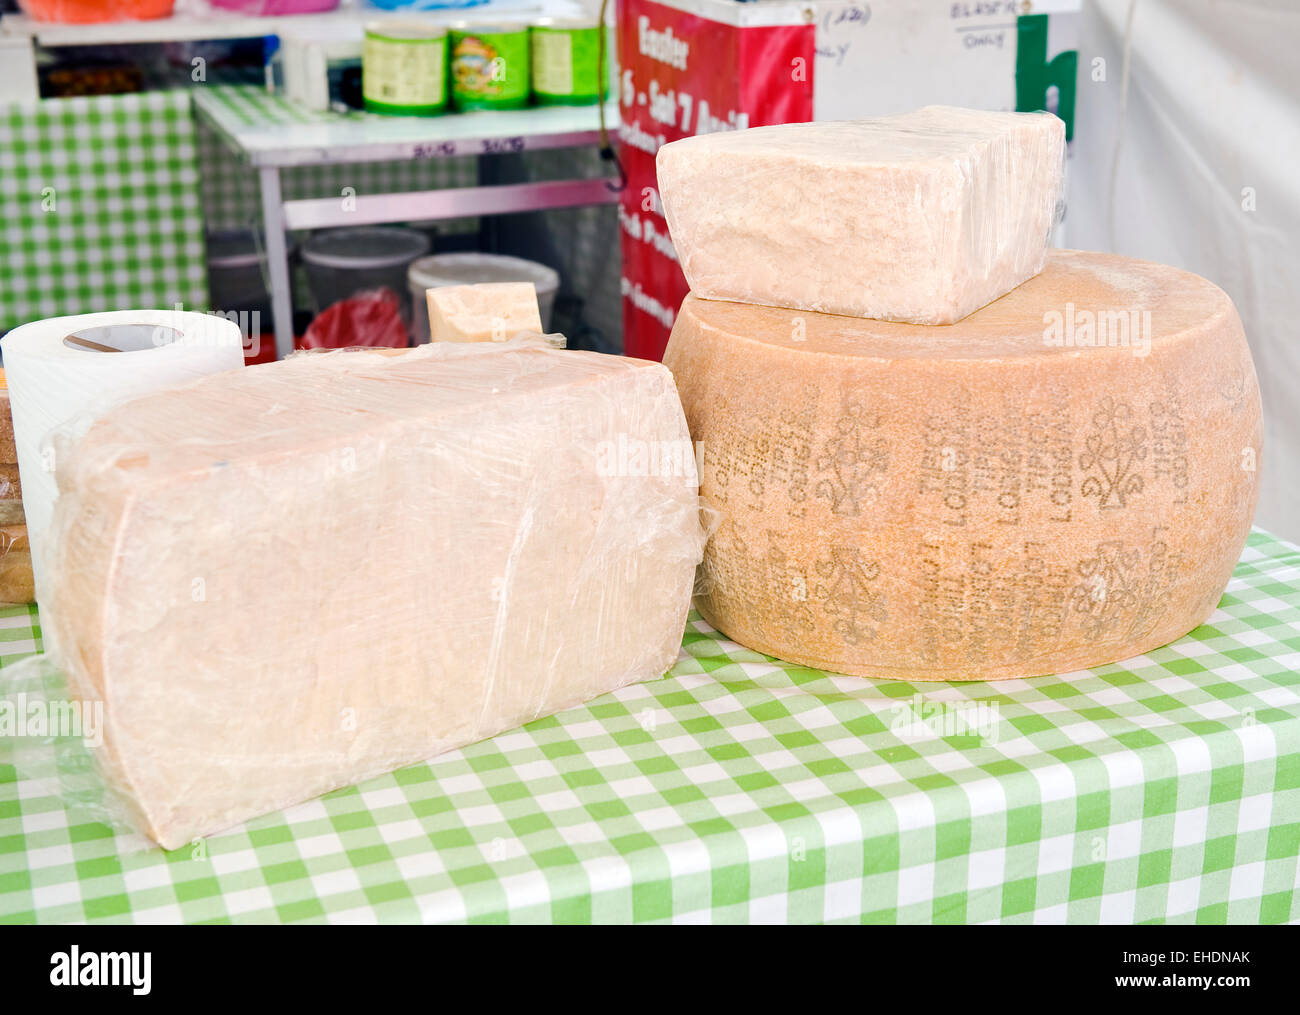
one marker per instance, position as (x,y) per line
(1062,480)
(284,580)
(921,217)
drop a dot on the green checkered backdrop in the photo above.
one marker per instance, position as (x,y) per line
(740,788)
(99,207)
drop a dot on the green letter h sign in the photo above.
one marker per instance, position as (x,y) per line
(1034,74)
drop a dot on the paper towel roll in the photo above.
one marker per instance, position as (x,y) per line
(65,371)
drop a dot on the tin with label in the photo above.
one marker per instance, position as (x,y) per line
(404,68)
(566,62)
(489,66)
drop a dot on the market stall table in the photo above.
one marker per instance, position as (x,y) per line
(1166,788)
(271,133)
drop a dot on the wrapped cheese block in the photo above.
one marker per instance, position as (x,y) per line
(289,578)
(1062,480)
(483,312)
(921,217)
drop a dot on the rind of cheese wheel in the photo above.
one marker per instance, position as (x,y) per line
(484,312)
(922,217)
(973,503)
(285,580)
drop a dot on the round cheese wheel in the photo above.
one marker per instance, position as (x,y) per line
(1061,480)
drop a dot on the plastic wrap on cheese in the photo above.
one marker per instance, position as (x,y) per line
(923,217)
(286,579)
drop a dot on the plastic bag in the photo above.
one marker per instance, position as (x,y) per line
(369,318)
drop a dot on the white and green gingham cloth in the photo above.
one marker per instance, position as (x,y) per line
(742,789)
(99,207)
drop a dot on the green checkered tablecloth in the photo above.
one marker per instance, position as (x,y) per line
(251,105)
(99,207)
(743,789)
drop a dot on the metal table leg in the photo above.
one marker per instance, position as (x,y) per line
(277,258)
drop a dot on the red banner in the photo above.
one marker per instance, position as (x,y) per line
(683,75)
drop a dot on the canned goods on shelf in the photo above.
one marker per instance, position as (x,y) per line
(404,68)
(489,66)
(565,62)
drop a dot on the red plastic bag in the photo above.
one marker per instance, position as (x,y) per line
(371,318)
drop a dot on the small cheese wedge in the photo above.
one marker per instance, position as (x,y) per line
(485,312)
(286,579)
(1062,480)
(921,217)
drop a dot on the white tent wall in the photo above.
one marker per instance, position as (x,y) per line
(1190,111)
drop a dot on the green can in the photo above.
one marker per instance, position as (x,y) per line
(404,68)
(566,62)
(489,66)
